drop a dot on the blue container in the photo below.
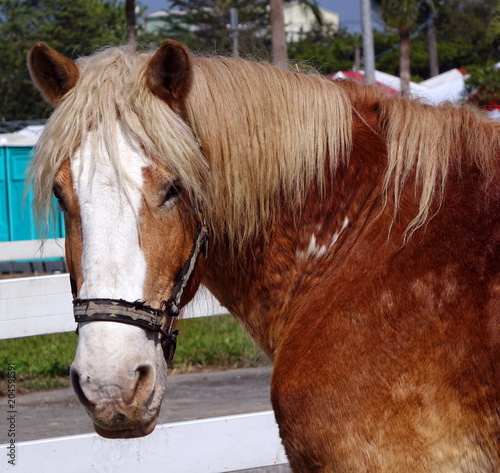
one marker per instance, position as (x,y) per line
(16,216)
(4,208)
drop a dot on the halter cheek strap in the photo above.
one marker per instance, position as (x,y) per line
(141,315)
(200,246)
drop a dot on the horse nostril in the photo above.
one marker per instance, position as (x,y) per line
(127,388)
(77,387)
(144,374)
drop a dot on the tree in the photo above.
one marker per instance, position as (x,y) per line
(427,11)
(482,87)
(326,50)
(493,30)
(461,26)
(130,19)
(203,24)
(334,51)
(279,51)
(73,27)
(401,15)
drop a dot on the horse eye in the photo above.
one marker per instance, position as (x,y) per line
(172,192)
(57,194)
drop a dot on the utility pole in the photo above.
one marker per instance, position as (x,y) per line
(368,49)
(234,32)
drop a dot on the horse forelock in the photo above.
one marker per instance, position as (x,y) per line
(111,90)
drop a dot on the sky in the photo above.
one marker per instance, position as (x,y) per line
(349,10)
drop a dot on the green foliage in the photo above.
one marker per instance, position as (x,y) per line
(398,14)
(211,342)
(493,30)
(330,51)
(46,356)
(462,42)
(215,342)
(483,86)
(326,51)
(384,42)
(461,27)
(467,35)
(72,27)
(388,61)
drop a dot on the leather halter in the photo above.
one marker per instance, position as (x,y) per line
(142,315)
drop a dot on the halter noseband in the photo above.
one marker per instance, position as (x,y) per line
(141,315)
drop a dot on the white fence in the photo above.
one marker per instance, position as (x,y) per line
(40,305)
(31,249)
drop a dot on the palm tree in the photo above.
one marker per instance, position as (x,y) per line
(427,12)
(401,15)
(279,52)
(130,18)
(432,48)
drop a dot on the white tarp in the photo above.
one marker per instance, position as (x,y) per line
(448,86)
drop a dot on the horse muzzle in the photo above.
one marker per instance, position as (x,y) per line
(118,375)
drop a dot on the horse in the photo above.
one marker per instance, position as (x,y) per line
(353,234)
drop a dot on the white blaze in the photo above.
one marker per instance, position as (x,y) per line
(113,263)
(118,368)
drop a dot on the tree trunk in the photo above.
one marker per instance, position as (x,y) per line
(130,18)
(404,61)
(278,37)
(432,47)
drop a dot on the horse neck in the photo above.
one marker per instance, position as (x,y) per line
(265,285)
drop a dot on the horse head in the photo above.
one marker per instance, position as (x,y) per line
(133,230)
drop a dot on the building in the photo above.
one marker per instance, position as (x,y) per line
(299,20)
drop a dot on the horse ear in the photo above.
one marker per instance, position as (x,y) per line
(52,73)
(169,72)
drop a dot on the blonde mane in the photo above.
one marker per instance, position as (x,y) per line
(266,135)
(429,141)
